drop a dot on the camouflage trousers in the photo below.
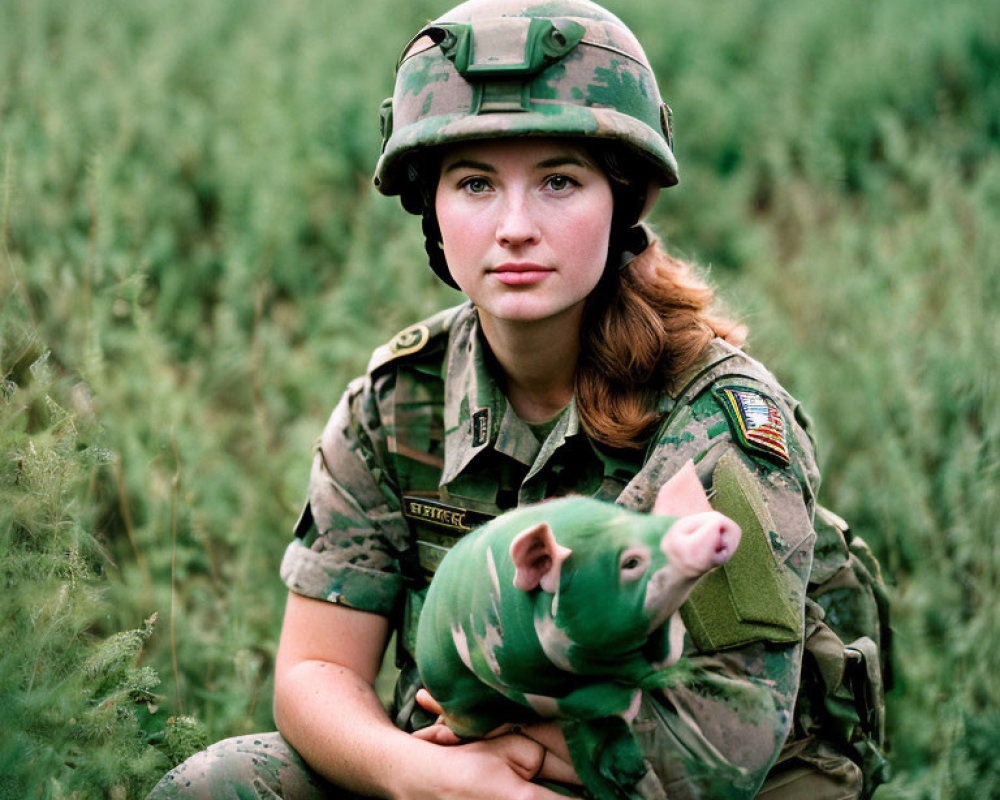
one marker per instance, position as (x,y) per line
(256,767)
(265,767)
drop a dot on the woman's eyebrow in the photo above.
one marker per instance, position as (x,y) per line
(468,163)
(562,161)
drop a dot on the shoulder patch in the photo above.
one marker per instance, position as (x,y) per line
(756,422)
(410,340)
(406,342)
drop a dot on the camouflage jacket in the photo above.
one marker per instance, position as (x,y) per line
(425,447)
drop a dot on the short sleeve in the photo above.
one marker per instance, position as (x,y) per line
(351,536)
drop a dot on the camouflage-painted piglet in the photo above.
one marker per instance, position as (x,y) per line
(544,612)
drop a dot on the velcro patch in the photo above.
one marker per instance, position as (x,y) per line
(750,597)
(756,422)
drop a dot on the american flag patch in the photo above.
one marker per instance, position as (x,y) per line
(756,422)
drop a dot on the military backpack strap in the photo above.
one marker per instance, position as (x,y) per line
(849,645)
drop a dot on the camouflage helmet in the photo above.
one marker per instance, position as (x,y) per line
(497,68)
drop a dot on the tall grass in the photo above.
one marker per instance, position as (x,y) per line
(193,263)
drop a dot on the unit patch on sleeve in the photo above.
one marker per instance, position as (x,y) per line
(756,422)
(409,340)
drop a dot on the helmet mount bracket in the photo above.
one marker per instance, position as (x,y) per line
(508,48)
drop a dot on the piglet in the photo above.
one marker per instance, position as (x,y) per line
(544,611)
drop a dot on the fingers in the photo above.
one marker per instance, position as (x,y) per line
(530,760)
(555,769)
(541,793)
(438,734)
(428,703)
(501,767)
(525,756)
(556,762)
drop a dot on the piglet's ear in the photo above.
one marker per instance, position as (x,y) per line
(683,494)
(538,558)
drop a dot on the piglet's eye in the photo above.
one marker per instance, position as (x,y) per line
(634,563)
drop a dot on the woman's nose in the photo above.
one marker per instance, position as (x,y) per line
(517,224)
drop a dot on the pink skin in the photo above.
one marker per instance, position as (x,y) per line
(701,538)
(696,543)
(525,226)
(557,765)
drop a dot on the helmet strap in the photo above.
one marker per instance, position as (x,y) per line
(628,244)
(432,244)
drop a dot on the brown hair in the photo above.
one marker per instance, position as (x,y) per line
(644,326)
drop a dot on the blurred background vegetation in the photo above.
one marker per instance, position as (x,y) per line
(193,263)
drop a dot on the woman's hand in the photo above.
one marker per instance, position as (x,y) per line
(550,760)
(327,709)
(491,769)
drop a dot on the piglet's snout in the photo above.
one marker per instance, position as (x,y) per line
(698,542)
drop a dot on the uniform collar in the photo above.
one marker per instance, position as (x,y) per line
(477,415)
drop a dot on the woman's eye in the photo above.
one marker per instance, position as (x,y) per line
(475,185)
(559,183)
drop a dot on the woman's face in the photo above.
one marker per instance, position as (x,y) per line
(525,225)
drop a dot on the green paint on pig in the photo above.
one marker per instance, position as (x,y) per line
(544,612)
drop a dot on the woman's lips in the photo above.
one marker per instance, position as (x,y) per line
(520,274)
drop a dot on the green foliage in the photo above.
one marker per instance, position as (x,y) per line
(184,737)
(70,698)
(193,263)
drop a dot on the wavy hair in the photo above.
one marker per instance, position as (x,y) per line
(643,327)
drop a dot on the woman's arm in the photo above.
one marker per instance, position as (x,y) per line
(326,707)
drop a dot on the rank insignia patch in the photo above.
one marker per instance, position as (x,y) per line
(756,422)
(481,427)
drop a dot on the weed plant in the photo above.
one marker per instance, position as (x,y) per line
(193,264)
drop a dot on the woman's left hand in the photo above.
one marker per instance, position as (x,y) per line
(557,764)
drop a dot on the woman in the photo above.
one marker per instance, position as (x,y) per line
(586,361)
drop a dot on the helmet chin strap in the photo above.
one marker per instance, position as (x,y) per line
(632,242)
(652,194)
(432,244)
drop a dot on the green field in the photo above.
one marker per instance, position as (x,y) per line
(193,263)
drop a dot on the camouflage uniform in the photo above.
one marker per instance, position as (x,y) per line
(425,446)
